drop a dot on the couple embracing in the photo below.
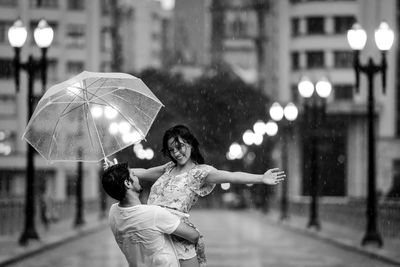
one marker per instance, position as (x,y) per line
(160,233)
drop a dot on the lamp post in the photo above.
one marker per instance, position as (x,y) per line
(79,206)
(384,38)
(103,200)
(314,109)
(17,35)
(277,113)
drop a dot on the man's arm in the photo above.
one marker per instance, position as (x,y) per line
(187,232)
(171,224)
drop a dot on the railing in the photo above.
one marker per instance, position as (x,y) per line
(352,214)
(305,1)
(11,216)
(12,213)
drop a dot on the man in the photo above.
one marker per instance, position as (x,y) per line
(142,231)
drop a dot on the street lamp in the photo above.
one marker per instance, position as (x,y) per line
(384,38)
(277,113)
(271,128)
(17,35)
(236,151)
(314,109)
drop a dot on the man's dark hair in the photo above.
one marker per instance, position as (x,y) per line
(113,180)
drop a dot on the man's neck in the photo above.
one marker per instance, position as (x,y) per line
(131,199)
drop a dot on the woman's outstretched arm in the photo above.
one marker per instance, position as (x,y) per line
(272,177)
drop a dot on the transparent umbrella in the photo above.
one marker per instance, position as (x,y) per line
(91,116)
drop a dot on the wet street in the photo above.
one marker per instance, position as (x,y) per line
(233,238)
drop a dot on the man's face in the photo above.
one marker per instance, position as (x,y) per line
(135,181)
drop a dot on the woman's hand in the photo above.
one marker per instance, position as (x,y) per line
(109,163)
(273,176)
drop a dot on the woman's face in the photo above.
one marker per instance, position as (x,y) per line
(179,150)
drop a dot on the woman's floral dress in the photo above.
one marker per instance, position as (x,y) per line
(179,193)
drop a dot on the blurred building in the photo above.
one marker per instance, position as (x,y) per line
(314,43)
(273,43)
(82,41)
(144,25)
(211,33)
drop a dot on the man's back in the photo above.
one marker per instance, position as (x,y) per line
(142,233)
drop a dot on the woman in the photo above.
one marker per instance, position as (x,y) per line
(179,183)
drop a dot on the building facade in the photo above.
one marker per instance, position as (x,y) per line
(208,33)
(82,41)
(315,45)
(298,38)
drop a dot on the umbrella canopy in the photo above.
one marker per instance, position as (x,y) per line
(91,116)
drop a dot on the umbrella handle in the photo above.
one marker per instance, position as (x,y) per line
(108,163)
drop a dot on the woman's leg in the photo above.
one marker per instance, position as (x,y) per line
(193,262)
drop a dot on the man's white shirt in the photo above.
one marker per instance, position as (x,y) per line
(142,233)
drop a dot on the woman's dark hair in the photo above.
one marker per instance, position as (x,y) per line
(183,132)
(113,180)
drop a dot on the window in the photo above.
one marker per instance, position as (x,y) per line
(343,91)
(236,26)
(105,42)
(52,66)
(71,185)
(52,70)
(315,25)
(156,54)
(397,86)
(76,4)
(71,180)
(305,1)
(8,107)
(75,67)
(155,17)
(105,7)
(295,58)
(295,26)
(75,36)
(4,26)
(343,23)
(295,93)
(394,191)
(5,183)
(343,59)
(44,3)
(155,36)
(315,59)
(7,140)
(105,66)
(240,24)
(6,68)
(9,3)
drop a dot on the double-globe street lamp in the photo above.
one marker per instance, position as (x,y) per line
(314,113)
(289,114)
(43,35)
(357,39)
